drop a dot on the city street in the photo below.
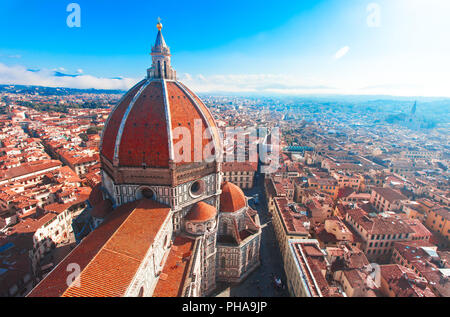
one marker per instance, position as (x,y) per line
(261,281)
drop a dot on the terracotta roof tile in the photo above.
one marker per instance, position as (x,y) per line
(201,211)
(110,255)
(176,268)
(111,129)
(144,137)
(232,198)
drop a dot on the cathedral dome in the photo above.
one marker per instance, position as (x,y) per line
(139,130)
(201,212)
(232,198)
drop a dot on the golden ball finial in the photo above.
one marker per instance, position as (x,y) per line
(159,25)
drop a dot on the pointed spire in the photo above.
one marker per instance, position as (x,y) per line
(414,108)
(161,58)
(159,25)
(159,43)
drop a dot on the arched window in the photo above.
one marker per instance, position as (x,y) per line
(222,262)
(241,223)
(199,227)
(148,193)
(141,292)
(225,228)
(165,70)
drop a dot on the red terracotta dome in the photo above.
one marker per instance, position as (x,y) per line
(201,212)
(232,198)
(139,130)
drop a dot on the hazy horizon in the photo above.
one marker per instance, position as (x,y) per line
(382,47)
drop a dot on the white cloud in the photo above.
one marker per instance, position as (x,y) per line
(232,83)
(342,52)
(201,77)
(20,75)
(187,76)
(252,83)
(295,85)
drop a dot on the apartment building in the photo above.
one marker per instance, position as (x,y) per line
(290,221)
(438,220)
(240,173)
(423,258)
(306,268)
(400,281)
(387,199)
(379,233)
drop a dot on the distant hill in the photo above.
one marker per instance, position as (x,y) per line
(52,91)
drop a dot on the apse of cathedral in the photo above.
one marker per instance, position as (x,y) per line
(157,225)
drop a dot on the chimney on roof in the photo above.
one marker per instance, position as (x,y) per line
(421,283)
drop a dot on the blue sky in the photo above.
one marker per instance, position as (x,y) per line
(291,47)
